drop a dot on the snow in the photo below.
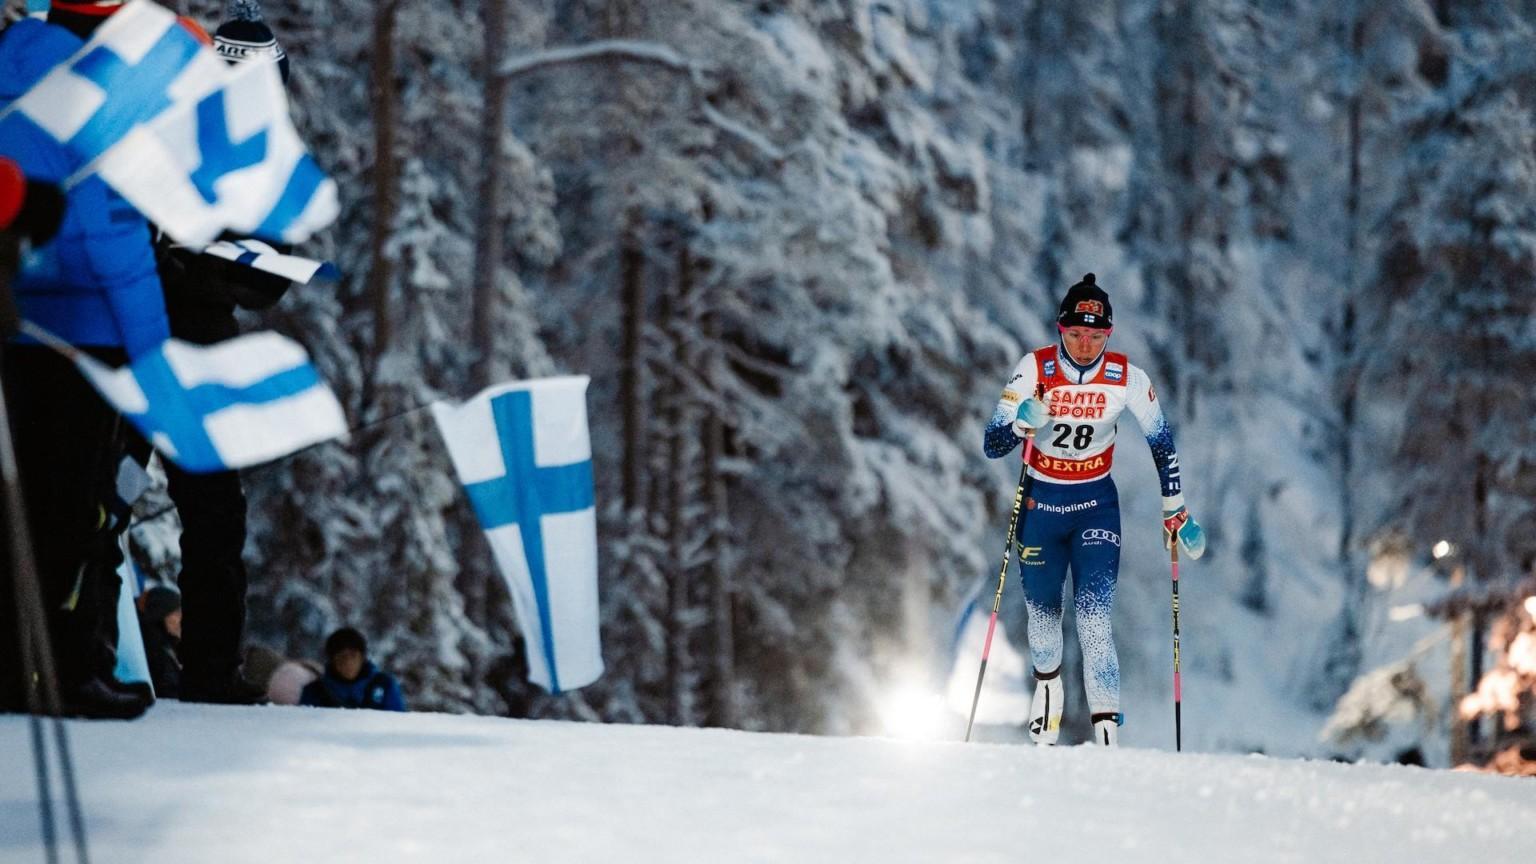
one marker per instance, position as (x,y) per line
(203,783)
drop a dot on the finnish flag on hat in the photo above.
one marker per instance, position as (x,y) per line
(523,453)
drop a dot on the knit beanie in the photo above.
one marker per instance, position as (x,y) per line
(1086,305)
(245,36)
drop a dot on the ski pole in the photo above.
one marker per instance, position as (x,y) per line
(1002,577)
(1178,695)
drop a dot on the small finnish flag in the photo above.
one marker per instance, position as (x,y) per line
(523,453)
(231,405)
(261,256)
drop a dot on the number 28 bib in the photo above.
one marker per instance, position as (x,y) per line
(1077,444)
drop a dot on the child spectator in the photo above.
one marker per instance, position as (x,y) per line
(350,679)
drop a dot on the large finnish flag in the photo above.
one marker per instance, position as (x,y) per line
(524,455)
(230,161)
(198,146)
(137,64)
(231,405)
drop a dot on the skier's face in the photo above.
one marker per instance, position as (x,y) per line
(1084,344)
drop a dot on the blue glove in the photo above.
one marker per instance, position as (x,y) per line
(1178,522)
(1032,415)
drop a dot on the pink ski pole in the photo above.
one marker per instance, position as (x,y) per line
(1002,577)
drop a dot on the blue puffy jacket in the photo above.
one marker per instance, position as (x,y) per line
(372,689)
(95,283)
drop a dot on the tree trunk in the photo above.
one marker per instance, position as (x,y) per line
(631,381)
(723,659)
(488,210)
(1350,361)
(386,199)
(679,411)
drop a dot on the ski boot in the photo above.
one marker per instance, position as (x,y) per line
(1106,728)
(1045,709)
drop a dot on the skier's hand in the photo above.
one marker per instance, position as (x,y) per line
(1032,415)
(1178,523)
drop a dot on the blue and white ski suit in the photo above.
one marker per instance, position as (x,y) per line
(1072,517)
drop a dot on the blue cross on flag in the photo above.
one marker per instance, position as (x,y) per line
(230,405)
(523,453)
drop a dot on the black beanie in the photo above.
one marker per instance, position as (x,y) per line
(245,36)
(1086,305)
(343,639)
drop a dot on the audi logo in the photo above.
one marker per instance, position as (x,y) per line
(1101,534)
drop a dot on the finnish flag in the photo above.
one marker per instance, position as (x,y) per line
(231,405)
(523,453)
(138,63)
(232,161)
(260,256)
(194,144)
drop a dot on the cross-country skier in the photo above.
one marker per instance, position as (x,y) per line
(1069,396)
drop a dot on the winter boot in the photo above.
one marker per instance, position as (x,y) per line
(1045,710)
(1106,728)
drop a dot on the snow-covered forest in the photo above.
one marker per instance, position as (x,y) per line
(799,244)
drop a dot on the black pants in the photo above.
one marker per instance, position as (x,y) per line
(213,576)
(67,446)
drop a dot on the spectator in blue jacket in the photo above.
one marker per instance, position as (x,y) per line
(94,285)
(350,679)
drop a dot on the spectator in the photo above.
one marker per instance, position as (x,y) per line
(29,210)
(160,624)
(201,293)
(93,285)
(350,679)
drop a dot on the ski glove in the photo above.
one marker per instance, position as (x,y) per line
(1032,415)
(1191,536)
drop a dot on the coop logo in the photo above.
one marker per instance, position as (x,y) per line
(1050,368)
(1091,307)
(1113,371)
(1100,535)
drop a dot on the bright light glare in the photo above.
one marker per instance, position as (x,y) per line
(910,712)
(1530,606)
(1441,549)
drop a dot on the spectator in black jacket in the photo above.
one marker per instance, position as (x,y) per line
(201,294)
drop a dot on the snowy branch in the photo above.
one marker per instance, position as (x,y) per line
(647,52)
(607,49)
